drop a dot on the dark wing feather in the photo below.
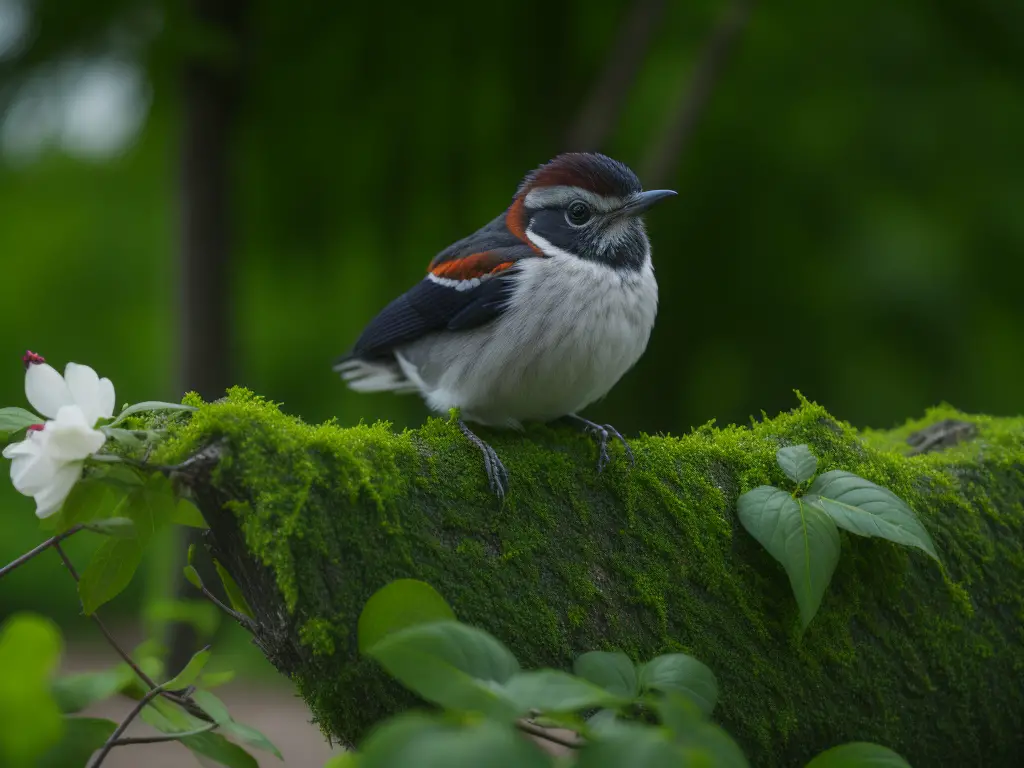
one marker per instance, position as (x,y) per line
(490,255)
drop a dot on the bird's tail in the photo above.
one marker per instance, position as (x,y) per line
(374,375)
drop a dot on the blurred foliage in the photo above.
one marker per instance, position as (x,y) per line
(848,221)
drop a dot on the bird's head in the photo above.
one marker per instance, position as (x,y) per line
(587,206)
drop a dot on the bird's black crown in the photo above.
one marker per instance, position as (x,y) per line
(589,170)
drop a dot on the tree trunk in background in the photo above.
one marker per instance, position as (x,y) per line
(600,115)
(210,89)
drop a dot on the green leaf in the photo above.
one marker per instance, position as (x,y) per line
(74,693)
(235,596)
(170,718)
(797,462)
(682,674)
(149,405)
(343,760)
(423,742)
(122,527)
(702,741)
(550,690)
(29,653)
(152,506)
(16,419)
(858,754)
(632,745)
(186,513)
(82,737)
(212,706)
(188,675)
(219,749)
(124,475)
(90,499)
(109,572)
(613,671)
(250,737)
(214,679)
(451,664)
(216,709)
(192,576)
(603,720)
(866,509)
(124,436)
(201,615)
(800,536)
(400,604)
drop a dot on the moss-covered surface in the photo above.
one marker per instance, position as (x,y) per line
(926,659)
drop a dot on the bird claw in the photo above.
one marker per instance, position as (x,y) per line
(604,432)
(497,475)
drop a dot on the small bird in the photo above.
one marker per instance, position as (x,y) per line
(533,317)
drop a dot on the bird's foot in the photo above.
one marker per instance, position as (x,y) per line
(604,432)
(497,475)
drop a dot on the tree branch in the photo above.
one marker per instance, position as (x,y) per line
(111,742)
(51,542)
(600,114)
(665,154)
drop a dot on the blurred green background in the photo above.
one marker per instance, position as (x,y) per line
(849,221)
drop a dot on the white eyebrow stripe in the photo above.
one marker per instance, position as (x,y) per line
(559,197)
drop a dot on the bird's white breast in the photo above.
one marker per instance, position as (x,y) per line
(572,329)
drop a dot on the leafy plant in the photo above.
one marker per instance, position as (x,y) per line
(801,530)
(494,713)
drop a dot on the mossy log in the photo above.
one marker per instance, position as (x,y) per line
(925,658)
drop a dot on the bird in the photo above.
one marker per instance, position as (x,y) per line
(531,318)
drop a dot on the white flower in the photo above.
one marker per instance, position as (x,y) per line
(48,391)
(49,461)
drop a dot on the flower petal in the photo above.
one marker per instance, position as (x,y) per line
(21,448)
(46,389)
(70,437)
(84,385)
(31,473)
(50,499)
(106,399)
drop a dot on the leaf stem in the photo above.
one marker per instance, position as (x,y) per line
(50,542)
(241,618)
(111,742)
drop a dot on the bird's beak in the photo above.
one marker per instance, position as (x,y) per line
(645,200)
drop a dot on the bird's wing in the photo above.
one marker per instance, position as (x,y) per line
(468,285)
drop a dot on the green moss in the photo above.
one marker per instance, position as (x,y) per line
(317,634)
(650,559)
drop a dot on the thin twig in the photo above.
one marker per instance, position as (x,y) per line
(180,700)
(600,114)
(241,618)
(103,628)
(110,744)
(51,542)
(540,731)
(162,737)
(666,153)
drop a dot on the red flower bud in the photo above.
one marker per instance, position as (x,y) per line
(31,358)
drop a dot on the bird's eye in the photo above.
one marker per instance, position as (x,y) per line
(578,213)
